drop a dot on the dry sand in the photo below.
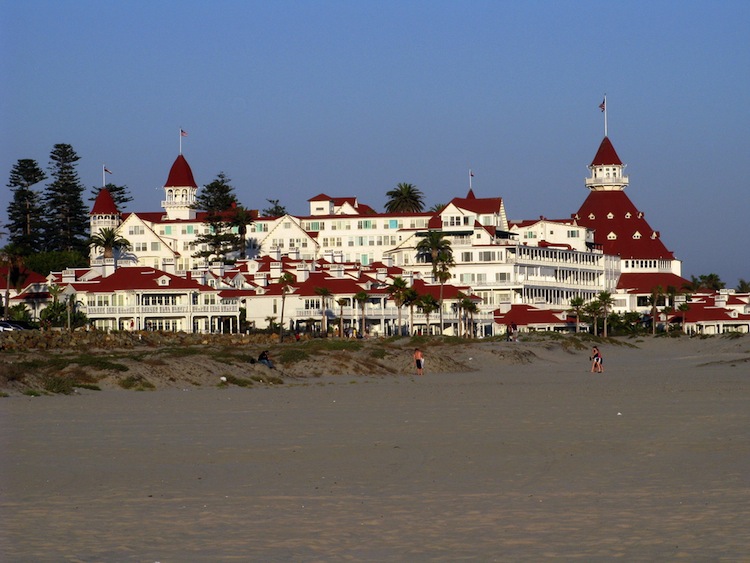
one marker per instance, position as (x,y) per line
(514,462)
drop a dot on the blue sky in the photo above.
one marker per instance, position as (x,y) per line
(291,99)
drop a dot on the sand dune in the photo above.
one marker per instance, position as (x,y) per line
(524,455)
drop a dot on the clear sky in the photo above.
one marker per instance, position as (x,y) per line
(292,98)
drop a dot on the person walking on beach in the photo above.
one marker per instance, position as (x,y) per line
(419,361)
(597,365)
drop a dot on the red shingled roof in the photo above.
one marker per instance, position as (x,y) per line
(104,204)
(482,205)
(646,282)
(180,175)
(606,154)
(525,315)
(625,222)
(139,277)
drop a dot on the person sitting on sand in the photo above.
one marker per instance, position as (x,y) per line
(265,359)
(597,364)
(419,361)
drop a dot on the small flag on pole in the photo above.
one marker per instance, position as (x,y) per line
(603,105)
(107,170)
(183,133)
(471,173)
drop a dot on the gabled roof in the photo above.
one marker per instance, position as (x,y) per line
(180,175)
(619,227)
(104,204)
(483,205)
(606,154)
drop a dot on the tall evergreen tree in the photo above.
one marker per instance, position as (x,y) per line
(218,200)
(25,209)
(66,217)
(275,210)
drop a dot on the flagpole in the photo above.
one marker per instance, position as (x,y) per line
(470,175)
(179,134)
(104,183)
(605,115)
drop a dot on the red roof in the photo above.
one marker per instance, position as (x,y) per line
(484,205)
(524,315)
(606,154)
(104,204)
(644,283)
(30,278)
(180,176)
(142,278)
(612,212)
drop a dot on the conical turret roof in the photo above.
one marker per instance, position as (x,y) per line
(104,204)
(180,175)
(606,154)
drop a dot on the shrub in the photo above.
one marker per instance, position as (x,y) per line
(60,385)
(293,355)
(136,383)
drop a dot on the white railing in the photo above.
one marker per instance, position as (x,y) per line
(159,309)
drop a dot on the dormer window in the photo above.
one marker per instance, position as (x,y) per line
(610,215)
(628,215)
(636,236)
(592,216)
(611,236)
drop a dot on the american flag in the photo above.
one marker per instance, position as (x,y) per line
(183,133)
(107,170)
(603,105)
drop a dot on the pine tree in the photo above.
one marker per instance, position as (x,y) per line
(217,199)
(25,210)
(66,220)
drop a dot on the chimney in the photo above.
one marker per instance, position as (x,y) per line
(303,272)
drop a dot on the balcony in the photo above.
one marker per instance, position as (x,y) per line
(612,182)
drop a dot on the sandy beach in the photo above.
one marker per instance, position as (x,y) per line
(508,461)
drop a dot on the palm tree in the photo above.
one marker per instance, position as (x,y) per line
(285,282)
(470,307)
(594,310)
(241,218)
(743,286)
(325,294)
(109,240)
(577,305)
(397,290)
(341,302)
(428,306)
(606,301)
(405,198)
(653,301)
(411,298)
(684,308)
(361,298)
(437,208)
(437,249)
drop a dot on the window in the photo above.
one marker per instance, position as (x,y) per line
(168,230)
(136,230)
(487,256)
(155,246)
(140,246)
(573,233)
(529,234)
(467,257)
